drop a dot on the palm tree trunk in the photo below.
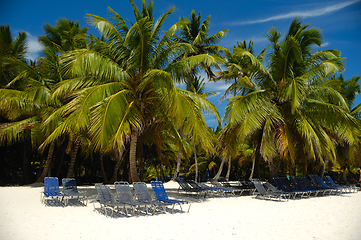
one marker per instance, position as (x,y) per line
(195,161)
(73,159)
(178,164)
(323,168)
(253,165)
(26,161)
(179,159)
(220,168)
(104,175)
(229,168)
(47,163)
(344,172)
(271,169)
(132,157)
(117,165)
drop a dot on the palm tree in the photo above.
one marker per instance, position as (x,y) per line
(239,70)
(346,152)
(195,33)
(63,36)
(12,53)
(123,83)
(290,110)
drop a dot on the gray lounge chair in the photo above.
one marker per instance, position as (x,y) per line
(217,184)
(107,201)
(143,195)
(188,189)
(71,191)
(262,192)
(125,196)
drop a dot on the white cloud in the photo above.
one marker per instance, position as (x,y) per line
(34,47)
(216,87)
(325,44)
(303,14)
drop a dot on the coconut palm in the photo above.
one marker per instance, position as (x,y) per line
(63,36)
(123,82)
(12,53)
(291,109)
(239,70)
(195,32)
(346,152)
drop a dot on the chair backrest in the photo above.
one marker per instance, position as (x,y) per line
(69,185)
(194,184)
(184,185)
(123,192)
(307,182)
(159,191)
(257,183)
(298,183)
(286,184)
(214,182)
(246,183)
(224,182)
(142,192)
(271,187)
(319,181)
(331,181)
(105,195)
(51,186)
(327,181)
(279,184)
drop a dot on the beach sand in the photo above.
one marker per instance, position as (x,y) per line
(23,216)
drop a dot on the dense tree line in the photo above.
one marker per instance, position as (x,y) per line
(102,109)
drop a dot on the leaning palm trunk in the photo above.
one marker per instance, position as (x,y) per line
(132,157)
(47,163)
(178,164)
(229,168)
(117,165)
(253,165)
(344,174)
(73,159)
(271,169)
(195,161)
(220,168)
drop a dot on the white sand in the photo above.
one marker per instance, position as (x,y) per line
(22,216)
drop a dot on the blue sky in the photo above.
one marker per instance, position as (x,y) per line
(340,22)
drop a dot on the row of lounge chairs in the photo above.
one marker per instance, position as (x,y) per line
(302,187)
(70,191)
(124,199)
(220,187)
(143,201)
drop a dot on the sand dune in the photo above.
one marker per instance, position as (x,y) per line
(23,216)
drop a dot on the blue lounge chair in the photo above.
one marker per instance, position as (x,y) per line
(51,190)
(161,195)
(71,191)
(284,185)
(107,201)
(317,181)
(299,185)
(328,180)
(310,185)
